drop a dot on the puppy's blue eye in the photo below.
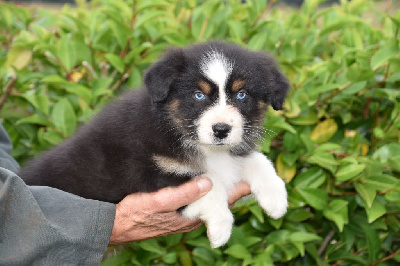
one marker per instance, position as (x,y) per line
(241,95)
(199,96)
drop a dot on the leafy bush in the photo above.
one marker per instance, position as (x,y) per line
(336,144)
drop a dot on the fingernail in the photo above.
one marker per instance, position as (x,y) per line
(204,185)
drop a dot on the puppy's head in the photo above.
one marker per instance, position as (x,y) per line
(216,94)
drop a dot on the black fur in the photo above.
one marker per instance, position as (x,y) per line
(111,156)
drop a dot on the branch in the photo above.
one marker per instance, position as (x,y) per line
(8,89)
(386,258)
(325,243)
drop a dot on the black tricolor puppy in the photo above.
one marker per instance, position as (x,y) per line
(200,114)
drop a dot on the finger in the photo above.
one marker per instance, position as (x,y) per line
(242,189)
(172,198)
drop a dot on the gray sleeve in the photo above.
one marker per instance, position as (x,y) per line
(47,226)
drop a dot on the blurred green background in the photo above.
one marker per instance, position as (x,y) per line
(336,144)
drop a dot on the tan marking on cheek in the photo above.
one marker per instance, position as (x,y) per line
(237,85)
(262,108)
(204,87)
(173,112)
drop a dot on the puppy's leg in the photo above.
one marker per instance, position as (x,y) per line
(268,188)
(214,211)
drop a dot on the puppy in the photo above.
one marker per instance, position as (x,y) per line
(200,113)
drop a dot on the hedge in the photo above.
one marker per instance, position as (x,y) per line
(336,144)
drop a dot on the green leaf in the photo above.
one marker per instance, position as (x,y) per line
(184,258)
(74,88)
(337,212)
(373,242)
(278,122)
(355,87)
(205,255)
(101,86)
(237,251)
(347,172)
(119,259)
(257,41)
(170,257)
(387,151)
(316,198)
(18,58)
(152,246)
(303,237)
(257,211)
(66,52)
(382,181)
(34,119)
(342,23)
(298,215)
(314,91)
(278,237)
(383,55)
(237,29)
(393,196)
(40,102)
(174,239)
(367,193)
(79,90)
(285,171)
(311,178)
(115,61)
(308,117)
(120,32)
(63,117)
(52,137)
(323,131)
(265,259)
(375,211)
(148,16)
(151,5)
(324,160)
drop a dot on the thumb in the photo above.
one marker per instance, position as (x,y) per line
(172,198)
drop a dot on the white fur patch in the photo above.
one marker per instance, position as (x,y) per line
(269,189)
(217,68)
(225,171)
(226,114)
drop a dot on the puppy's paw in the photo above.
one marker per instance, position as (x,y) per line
(219,231)
(190,212)
(274,199)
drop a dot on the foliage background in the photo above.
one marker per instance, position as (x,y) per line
(336,144)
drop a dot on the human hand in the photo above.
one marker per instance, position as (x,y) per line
(146,215)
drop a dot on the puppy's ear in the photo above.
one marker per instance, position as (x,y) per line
(160,77)
(276,84)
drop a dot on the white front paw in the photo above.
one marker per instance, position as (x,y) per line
(274,199)
(219,231)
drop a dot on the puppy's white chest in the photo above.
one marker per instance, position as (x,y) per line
(222,167)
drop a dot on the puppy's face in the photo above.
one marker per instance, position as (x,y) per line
(216,94)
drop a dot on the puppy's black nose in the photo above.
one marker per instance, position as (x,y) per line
(221,130)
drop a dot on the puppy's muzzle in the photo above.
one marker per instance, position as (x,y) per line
(221,130)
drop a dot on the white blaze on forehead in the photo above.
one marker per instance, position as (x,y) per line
(217,68)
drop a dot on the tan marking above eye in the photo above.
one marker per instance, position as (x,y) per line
(237,85)
(204,87)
